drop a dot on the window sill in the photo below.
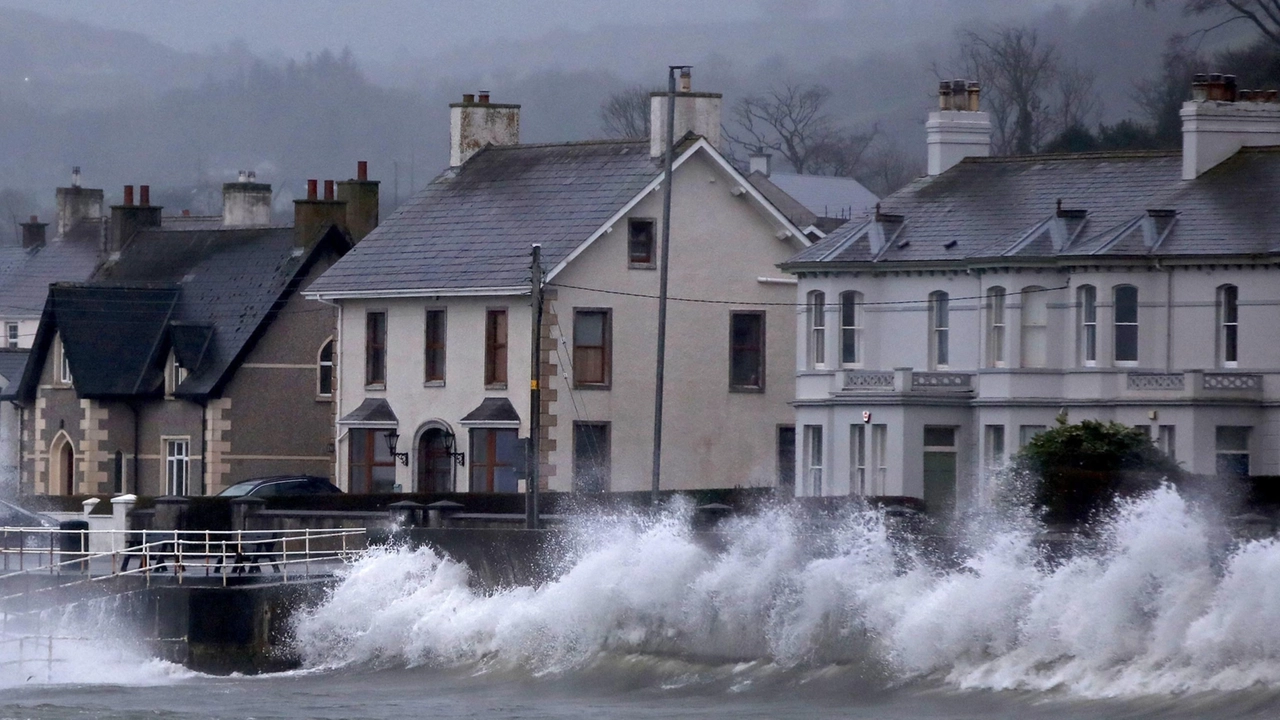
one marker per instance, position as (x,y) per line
(433,383)
(1126,363)
(642,266)
(496,386)
(376,386)
(324,398)
(746,389)
(592,386)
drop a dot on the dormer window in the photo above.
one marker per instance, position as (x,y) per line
(64,365)
(174,375)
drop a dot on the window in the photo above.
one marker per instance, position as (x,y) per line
(880,453)
(64,365)
(433,347)
(1228,325)
(177,465)
(858,459)
(1088,296)
(590,457)
(375,349)
(1027,432)
(1232,446)
(493,459)
(324,370)
(1126,323)
(817,330)
(939,330)
(1167,440)
(993,447)
(592,351)
(1035,327)
(371,468)
(995,327)
(174,375)
(813,459)
(851,329)
(640,243)
(746,351)
(11,332)
(495,348)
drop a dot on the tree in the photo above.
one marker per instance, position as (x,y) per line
(1262,14)
(1160,98)
(625,114)
(1082,469)
(887,168)
(791,120)
(1015,70)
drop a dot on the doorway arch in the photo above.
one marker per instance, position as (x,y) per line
(62,466)
(435,471)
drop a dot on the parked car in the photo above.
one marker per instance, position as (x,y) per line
(278,485)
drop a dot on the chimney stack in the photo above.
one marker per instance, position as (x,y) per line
(697,113)
(127,219)
(761,163)
(144,195)
(75,204)
(246,202)
(957,129)
(1220,119)
(33,233)
(312,217)
(361,197)
(475,124)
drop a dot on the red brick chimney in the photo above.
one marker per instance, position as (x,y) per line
(361,197)
(33,233)
(312,217)
(127,219)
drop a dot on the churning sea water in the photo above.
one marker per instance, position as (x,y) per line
(1160,619)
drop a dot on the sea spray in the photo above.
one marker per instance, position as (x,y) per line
(1155,608)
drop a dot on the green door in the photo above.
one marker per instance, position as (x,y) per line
(940,482)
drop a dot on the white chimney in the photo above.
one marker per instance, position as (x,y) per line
(698,113)
(760,163)
(246,202)
(957,129)
(474,124)
(1219,120)
(75,204)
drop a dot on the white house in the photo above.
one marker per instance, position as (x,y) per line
(435,325)
(975,305)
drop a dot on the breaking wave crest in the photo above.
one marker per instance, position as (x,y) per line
(1162,605)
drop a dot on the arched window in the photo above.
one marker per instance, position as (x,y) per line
(1126,323)
(1228,325)
(817,322)
(1035,327)
(995,327)
(324,370)
(1087,306)
(851,328)
(939,330)
(62,466)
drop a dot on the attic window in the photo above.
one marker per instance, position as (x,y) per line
(174,375)
(64,365)
(640,238)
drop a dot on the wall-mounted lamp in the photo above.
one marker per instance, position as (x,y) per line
(393,439)
(450,440)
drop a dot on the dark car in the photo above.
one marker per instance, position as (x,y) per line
(277,485)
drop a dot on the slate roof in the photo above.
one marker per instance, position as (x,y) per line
(492,409)
(1122,204)
(373,411)
(204,294)
(795,211)
(12,362)
(826,196)
(25,275)
(472,226)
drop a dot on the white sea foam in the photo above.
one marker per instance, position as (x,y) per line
(1157,610)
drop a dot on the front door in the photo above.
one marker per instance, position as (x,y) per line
(435,466)
(787,460)
(68,460)
(590,457)
(940,470)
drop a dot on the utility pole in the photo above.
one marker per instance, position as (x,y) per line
(535,394)
(663,264)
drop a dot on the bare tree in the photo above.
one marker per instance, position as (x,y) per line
(887,168)
(1077,102)
(625,114)
(1161,98)
(1262,14)
(1016,71)
(791,120)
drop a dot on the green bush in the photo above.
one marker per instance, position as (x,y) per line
(1075,471)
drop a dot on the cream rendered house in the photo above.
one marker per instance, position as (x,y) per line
(974,306)
(435,325)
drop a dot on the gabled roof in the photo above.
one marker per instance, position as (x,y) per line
(25,274)
(12,362)
(823,195)
(471,229)
(373,412)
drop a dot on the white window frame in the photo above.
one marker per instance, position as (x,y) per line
(880,457)
(321,364)
(939,330)
(11,334)
(817,324)
(851,328)
(1088,297)
(1228,326)
(996,297)
(64,366)
(993,446)
(1167,440)
(1219,450)
(1034,334)
(813,454)
(1116,325)
(858,459)
(177,462)
(174,375)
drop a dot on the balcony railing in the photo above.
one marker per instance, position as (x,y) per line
(1196,382)
(907,380)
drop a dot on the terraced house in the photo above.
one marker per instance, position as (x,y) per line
(189,360)
(435,330)
(980,302)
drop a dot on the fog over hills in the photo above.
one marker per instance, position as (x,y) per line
(181,95)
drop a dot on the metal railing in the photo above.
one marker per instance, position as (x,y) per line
(178,554)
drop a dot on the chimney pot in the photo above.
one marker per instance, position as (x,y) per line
(75,176)
(128,195)
(362,170)
(468,98)
(242,177)
(144,195)
(944,95)
(328,189)
(686,80)
(1200,88)
(1272,96)
(484,97)
(35,219)
(1229,88)
(311,189)
(1245,96)
(974,90)
(186,212)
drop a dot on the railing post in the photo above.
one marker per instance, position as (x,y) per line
(121,506)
